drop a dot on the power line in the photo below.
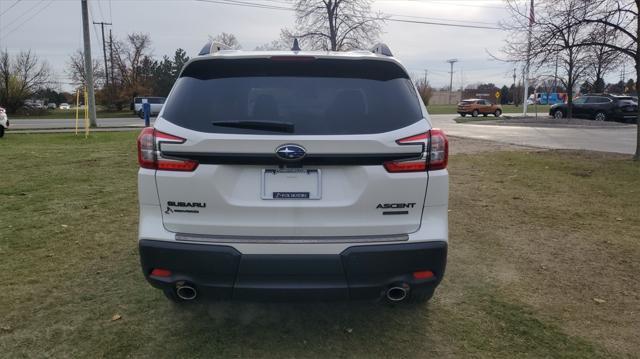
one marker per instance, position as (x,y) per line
(10,7)
(247,4)
(442,19)
(104,50)
(276,7)
(15,20)
(100,10)
(29,18)
(453,3)
(445,24)
(95,29)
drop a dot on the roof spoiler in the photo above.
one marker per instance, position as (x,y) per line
(382,49)
(212,47)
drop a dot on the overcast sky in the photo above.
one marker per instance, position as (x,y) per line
(52,29)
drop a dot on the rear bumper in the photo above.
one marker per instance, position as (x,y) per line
(359,272)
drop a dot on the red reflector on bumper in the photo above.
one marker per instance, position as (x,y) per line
(425,274)
(159,272)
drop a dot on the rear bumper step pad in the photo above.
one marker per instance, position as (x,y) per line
(359,272)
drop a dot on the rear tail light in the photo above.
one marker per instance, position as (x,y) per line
(435,153)
(425,274)
(149,155)
(160,272)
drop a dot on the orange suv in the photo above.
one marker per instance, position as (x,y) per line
(475,107)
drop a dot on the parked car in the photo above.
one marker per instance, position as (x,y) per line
(64,106)
(4,121)
(599,107)
(475,107)
(52,106)
(155,103)
(293,175)
(543,98)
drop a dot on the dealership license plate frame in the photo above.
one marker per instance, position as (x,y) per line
(296,177)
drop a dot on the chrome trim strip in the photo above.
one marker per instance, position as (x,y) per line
(185,237)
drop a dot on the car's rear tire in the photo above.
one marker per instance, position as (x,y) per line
(600,116)
(1,131)
(498,113)
(475,113)
(558,115)
(463,114)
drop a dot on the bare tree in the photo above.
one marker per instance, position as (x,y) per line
(75,70)
(554,37)
(622,17)
(129,57)
(336,25)
(228,39)
(134,65)
(424,89)
(273,45)
(21,77)
(602,59)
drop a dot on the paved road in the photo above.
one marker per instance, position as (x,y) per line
(33,124)
(617,139)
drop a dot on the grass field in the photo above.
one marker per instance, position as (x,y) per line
(543,263)
(57,114)
(451,109)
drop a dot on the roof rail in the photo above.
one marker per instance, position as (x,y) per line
(212,47)
(382,49)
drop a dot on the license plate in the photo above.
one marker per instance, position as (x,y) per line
(291,184)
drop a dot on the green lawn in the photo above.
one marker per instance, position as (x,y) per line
(451,109)
(535,238)
(56,114)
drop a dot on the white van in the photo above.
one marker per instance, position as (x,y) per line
(155,102)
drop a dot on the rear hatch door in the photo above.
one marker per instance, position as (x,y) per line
(292,148)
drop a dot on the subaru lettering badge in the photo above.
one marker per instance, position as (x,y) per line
(291,152)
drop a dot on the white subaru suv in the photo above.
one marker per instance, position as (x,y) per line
(293,175)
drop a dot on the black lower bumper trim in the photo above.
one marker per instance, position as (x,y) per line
(359,272)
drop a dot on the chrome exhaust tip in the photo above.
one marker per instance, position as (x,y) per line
(186,292)
(397,294)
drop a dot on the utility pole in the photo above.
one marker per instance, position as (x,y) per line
(555,78)
(111,54)
(104,50)
(426,74)
(461,81)
(88,64)
(515,89)
(451,62)
(526,72)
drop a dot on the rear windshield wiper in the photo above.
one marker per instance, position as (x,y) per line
(258,125)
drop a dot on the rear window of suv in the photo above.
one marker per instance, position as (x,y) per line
(317,97)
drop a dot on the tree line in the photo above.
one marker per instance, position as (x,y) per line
(130,69)
(583,40)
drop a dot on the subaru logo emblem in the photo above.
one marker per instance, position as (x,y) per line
(291,152)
